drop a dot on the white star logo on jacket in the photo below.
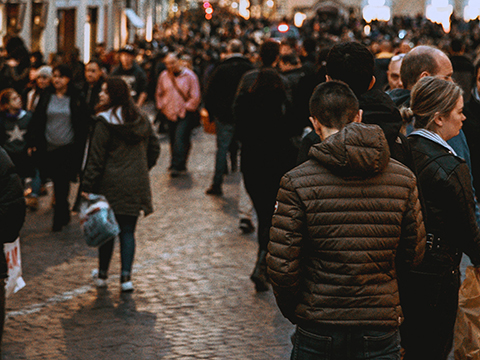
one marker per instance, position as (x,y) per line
(16,134)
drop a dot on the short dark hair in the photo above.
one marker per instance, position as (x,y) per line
(269,52)
(333,104)
(415,63)
(64,70)
(352,63)
(96,61)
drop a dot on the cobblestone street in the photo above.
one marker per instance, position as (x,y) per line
(193,297)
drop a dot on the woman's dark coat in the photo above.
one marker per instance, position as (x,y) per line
(120,157)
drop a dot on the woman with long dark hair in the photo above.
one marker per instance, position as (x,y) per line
(123,149)
(58,133)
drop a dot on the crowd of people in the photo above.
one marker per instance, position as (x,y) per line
(351,148)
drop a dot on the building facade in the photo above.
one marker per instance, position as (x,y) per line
(51,26)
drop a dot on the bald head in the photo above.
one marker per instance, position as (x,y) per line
(425,61)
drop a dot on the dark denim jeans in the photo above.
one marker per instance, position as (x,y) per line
(127,245)
(224,139)
(346,344)
(179,133)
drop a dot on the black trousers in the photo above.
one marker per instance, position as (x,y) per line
(60,167)
(429,302)
(262,187)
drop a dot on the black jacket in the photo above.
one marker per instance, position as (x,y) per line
(12,206)
(445,183)
(91,95)
(471,129)
(222,87)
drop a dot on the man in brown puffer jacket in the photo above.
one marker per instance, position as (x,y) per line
(345,223)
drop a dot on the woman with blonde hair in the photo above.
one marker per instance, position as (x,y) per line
(429,294)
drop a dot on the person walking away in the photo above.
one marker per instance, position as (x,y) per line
(57,135)
(261,110)
(123,149)
(133,74)
(12,216)
(178,96)
(219,97)
(345,222)
(430,293)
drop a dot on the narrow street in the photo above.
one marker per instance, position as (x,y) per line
(193,298)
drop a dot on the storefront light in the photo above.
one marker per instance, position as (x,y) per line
(243,9)
(439,11)
(472,10)
(86,43)
(298,19)
(149,29)
(376,10)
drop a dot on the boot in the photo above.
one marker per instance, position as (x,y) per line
(259,275)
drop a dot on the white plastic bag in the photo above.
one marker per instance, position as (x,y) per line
(14,263)
(98,220)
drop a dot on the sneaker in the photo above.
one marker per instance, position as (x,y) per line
(126,284)
(246,226)
(100,281)
(214,190)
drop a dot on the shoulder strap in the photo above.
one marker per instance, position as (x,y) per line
(175,85)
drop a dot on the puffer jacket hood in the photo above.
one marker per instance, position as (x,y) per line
(131,133)
(358,150)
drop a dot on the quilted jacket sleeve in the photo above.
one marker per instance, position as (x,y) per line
(284,249)
(411,248)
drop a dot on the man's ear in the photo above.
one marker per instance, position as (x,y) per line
(358,117)
(423,74)
(372,82)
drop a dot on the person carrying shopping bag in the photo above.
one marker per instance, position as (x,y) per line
(123,149)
